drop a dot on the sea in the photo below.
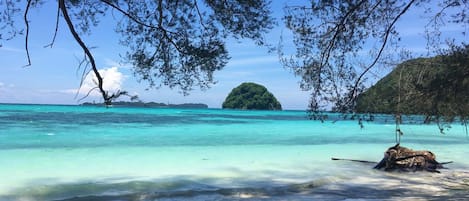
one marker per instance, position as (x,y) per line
(78,153)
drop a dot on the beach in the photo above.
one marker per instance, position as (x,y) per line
(93,153)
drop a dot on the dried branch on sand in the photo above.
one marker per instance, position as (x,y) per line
(405,159)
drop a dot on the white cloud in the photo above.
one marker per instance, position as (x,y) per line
(112,82)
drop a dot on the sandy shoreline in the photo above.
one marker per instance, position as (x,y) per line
(376,185)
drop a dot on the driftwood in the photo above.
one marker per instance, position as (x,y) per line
(405,159)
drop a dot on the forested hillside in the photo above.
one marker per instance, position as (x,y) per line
(437,86)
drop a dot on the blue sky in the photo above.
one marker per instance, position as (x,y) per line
(54,78)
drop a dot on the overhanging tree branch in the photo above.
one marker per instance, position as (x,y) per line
(56,28)
(26,22)
(128,15)
(339,28)
(380,52)
(178,43)
(140,22)
(200,14)
(328,36)
(107,99)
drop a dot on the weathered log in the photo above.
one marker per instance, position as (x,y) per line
(405,159)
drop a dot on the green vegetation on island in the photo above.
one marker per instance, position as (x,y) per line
(150,104)
(434,87)
(251,96)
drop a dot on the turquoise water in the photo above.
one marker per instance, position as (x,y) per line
(91,153)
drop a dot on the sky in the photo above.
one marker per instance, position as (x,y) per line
(54,77)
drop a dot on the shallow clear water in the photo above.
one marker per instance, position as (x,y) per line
(93,153)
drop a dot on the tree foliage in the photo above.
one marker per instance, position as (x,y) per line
(330,35)
(251,96)
(174,43)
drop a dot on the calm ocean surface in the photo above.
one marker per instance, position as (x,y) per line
(93,153)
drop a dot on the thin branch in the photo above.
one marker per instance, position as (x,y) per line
(56,28)
(373,9)
(86,50)
(325,55)
(160,22)
(440,13)
(200,14)
(27,32)
(165,32)
(383,45)
(84,62)
(160,12)
(338,29)
(133,18)
(88,94)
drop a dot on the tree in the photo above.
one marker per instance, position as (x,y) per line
(330,34)
(175,43)
(251,96)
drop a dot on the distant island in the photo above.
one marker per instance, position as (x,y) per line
(251,96)
(150,105)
